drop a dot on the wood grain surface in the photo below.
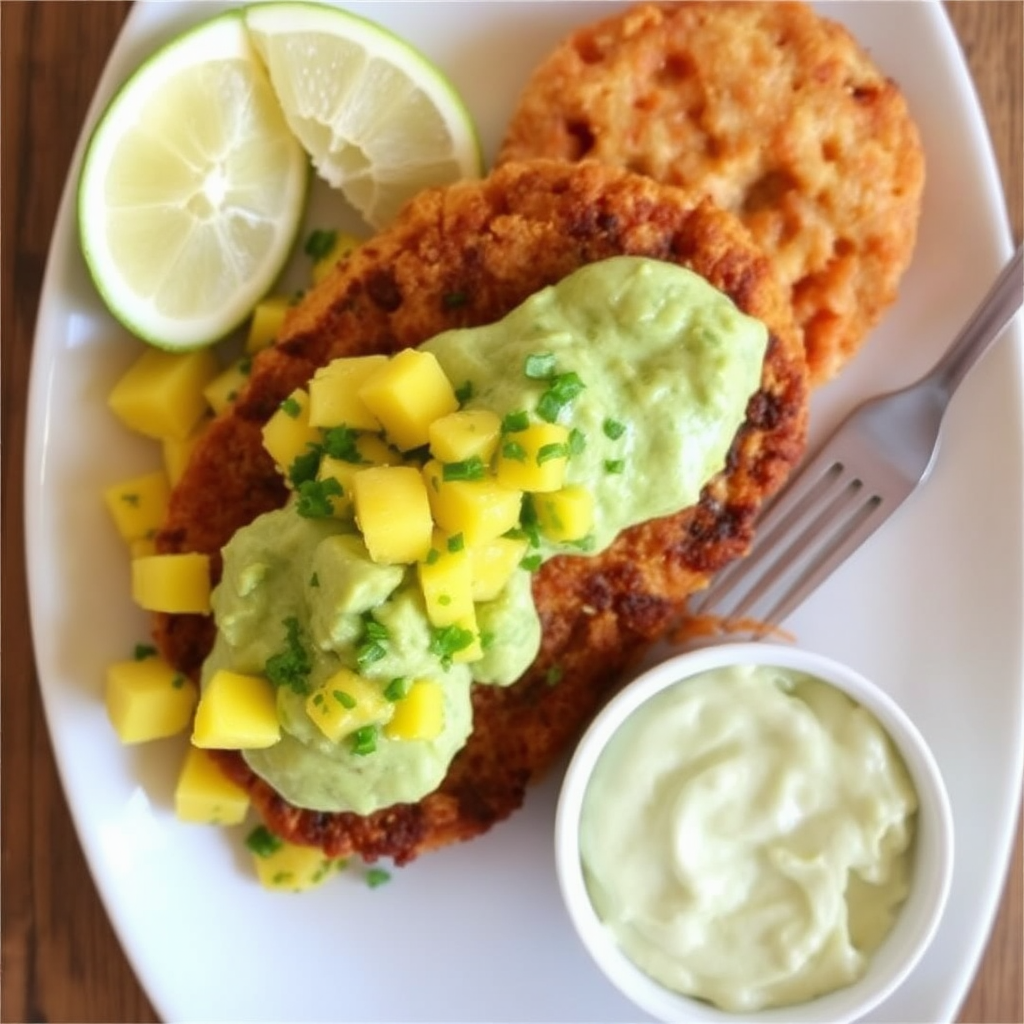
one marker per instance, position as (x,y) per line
(60,958)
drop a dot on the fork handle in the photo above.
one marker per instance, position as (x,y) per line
(998,308)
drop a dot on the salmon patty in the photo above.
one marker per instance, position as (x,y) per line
(464,256)
(775,113)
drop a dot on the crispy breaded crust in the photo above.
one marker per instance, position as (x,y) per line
(775,113)
(463,256)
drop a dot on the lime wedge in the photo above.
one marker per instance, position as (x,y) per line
(192,189)
(378,119)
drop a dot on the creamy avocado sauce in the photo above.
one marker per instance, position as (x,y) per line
(747,837)
(666,365)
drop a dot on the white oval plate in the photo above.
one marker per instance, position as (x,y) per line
(931,607)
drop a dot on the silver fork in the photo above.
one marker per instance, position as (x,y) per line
(873,461)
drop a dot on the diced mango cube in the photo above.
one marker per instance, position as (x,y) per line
(138,505)
(565,515)
(464,435)
(148,699)
(534,459)
(222,391)
(419,715)
(204,795)
(478,509)
(346,702)
(407,394)
(172,583)
(161,394)
(236,712)
(288,433)
(492,565)
(292,868)
(265,325)
(393,513)
(344,245)
(334,393)
(446,580)
(177,451)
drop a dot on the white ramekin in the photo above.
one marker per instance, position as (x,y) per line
(933,857)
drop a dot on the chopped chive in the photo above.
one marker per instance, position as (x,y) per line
(314,580)
(444,600)
(432,556)
(319,243)
(290,407)
(513,450)
(528,521)
(376,877)
(446,641)
(318,699)
(368,653)
(364,740)
(374,630)
(178,680)
(587,543)
(315,498)
(531,563)
(539,366)
(547,452)
(396,689)
(513,422)
(245,366)
(262,842)
(468,469)
(554,675)
(306,466)
(487,639)
(577,442)
(340,443)
(290,667)
(562,390)
(464,392)
(613,429)
(456,542)
(614,465)
(144,651)
(346,700)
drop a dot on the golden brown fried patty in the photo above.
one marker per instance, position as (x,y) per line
(462,256)
(776,114)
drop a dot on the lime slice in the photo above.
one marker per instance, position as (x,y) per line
(192,189)
(379,120)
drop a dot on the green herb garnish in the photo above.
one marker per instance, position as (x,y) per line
(456,542)
(513,422)
(539,366)
(314,580)
(432,556)
(319,244)
(547,452)
(262,842)
(144,651)
(372,647)
(563,389)
(513,450)
(305,466)
(290,407)
(613,429)
(376,877)
(364,740)
(577,442)
(314,501)
(178,680)
(464,392)
(344,698)
(446,641)
(468,469)
(554,675)
(290,667)
(396,689)
(531,563)
(614,465)
(340,443)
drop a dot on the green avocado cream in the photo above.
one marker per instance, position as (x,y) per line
(650,368)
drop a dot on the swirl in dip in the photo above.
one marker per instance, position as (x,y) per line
(747,837)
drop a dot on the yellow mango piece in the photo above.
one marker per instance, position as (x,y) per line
(204,795)
(288,433)
(266,322)
(172,583)
(138,505)
(492,565)
(419,715)
(222,391)
(567,514)
(534,459)
(148,699)
(346,702)
(464,435)
(344,245)
(177,451)
(289,867)
(161,394)
(393,513)
(334,393)
(372,450)
(478,509)
(407,394)
(446,580)
(236,712)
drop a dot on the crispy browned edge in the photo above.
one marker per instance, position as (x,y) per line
(461,256)
(779,114)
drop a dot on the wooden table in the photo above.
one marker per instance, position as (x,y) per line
(60,959)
